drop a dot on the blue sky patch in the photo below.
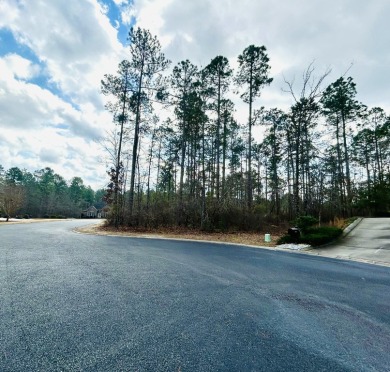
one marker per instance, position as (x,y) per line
(114,15)
(9,45)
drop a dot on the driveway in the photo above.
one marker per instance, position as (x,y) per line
(368,242)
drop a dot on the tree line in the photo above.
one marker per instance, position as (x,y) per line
(44,193)
(179,156)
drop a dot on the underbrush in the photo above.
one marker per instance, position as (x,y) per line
(342,223)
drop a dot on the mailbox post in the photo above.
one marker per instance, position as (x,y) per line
(295,233)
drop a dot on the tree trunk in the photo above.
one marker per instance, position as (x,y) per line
(135,146)
(249,165)
(347,169)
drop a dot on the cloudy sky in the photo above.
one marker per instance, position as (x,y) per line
(54,53)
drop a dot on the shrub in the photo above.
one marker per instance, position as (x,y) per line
(330,231)
(305,222)
(321,235)
(314,236)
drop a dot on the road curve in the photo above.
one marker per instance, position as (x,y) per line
(74,302)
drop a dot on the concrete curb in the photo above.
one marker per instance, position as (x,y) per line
(307,251)
(158,237)
(350,227)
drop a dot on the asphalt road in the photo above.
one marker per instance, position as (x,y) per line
(73,302)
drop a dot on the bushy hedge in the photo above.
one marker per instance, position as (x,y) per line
(321,235)
(314,236)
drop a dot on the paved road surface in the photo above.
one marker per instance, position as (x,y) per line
(73,302)
(369,241)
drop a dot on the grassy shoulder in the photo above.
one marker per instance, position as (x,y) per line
(310,233)
(236,237)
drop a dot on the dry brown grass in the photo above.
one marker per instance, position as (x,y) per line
(342,223)
(245,238)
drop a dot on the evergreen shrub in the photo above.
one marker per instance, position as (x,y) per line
(315,236)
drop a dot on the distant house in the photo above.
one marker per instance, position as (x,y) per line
(93,212)
(103,213)
(90,212)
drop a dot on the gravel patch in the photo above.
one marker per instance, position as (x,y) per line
(294,247)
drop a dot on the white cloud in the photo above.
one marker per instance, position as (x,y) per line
(8,12)
(29,107)
(39,129)
(334,34)
(69,157)
(75,40)
(121,2)
(49,156)
(20,67)
(76,45)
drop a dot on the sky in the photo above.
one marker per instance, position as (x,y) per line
(54,53)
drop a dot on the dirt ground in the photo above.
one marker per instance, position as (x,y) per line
(246,238)
(27,220)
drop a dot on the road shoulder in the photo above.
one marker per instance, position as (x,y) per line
(339,250)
